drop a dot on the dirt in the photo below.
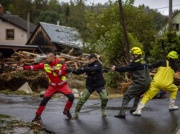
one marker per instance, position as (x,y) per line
(12,81)
(38,81)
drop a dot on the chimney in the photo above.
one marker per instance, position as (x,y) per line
(1,9)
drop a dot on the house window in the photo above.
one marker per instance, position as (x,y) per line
(177,27)
(9,34)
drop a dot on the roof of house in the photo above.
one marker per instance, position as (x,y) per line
(63,35)
(17,21)
(175,19)
(26,47)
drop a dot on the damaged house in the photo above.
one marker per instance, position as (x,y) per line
(14,33)
(56,38)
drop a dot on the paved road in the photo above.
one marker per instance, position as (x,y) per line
(155,119)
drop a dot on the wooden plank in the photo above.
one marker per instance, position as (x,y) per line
(68,56)
(70,51)
(30,53)
(76,65)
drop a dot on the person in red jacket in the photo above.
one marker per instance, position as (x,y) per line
(56,71)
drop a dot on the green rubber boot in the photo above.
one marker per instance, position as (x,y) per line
(82,100)
(104,99)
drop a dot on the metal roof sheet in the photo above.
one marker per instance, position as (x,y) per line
(63,35)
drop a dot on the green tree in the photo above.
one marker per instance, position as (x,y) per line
(107,35)
(64,14)
(163,45)
(77,17)
(139,25)
(38,6)
(21,8)
(5,4)
(54,5)
(48,17)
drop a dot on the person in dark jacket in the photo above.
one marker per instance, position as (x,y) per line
(94,82)
(140,78)
(163,79)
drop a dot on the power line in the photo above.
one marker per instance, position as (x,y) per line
(168,7)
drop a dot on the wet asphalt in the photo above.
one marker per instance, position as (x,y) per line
(155,119)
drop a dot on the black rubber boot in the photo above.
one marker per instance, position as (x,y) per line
(121,114)
(136,101)
(37,118)
(67,113)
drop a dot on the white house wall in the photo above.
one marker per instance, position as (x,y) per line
(20,36)
(176,19)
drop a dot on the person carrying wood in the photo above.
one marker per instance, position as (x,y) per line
(140,77)
(94,82)
(56,71)
(163,79)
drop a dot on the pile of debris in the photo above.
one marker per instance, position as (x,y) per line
(11,78)
(22,58)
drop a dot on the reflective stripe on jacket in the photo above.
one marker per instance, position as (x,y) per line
(56,77)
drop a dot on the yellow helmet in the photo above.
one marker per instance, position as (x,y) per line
(172,55)
(136,50)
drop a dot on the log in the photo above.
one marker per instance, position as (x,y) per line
(29,53)
(19,54)
(177,75)
(68,57)
(60,58)
(76,65)
(70,51)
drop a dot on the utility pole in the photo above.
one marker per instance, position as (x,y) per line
(170,16)
(124,30)
(28,16)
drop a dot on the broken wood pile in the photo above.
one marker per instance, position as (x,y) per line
(22,58)
(177,75)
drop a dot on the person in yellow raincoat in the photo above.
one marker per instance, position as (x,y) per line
(163,79)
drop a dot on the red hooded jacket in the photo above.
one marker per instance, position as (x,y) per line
(56,77)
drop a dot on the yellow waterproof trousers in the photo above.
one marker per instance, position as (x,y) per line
(153,90)
(163,79)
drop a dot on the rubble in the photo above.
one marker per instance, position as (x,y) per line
(36,80)
(25,88)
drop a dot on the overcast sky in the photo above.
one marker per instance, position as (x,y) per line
(160,5)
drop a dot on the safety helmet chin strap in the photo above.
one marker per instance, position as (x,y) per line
(136,56)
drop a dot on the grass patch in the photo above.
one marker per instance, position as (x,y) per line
(4,116)
(7,91)
(112,93)
(12,92)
